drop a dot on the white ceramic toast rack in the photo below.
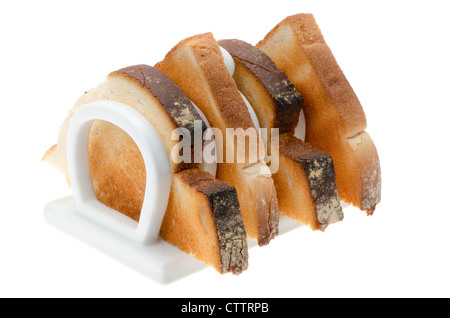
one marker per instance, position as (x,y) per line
(135,244)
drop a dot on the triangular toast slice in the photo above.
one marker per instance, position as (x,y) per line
(305,179)
(335,120)
(203,216)
(196,65)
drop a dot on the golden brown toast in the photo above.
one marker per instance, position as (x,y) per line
(335,120)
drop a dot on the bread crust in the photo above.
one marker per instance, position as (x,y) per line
(334,116)
(177,105)
(287,100)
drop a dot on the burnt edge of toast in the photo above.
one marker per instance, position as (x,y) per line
(224,203)
(175,102)
(288,101)
(230,229)
(319,169)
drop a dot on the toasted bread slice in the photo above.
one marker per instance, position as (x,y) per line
(305,180)
(205,220)
(196,65)
(306,183)
(335,120)
(203,215)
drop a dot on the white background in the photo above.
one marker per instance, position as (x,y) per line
(395,55)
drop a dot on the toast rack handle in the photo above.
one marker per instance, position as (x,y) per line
(158,172)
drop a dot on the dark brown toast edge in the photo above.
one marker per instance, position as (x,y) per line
(224,203)
(287,100)
(172,98)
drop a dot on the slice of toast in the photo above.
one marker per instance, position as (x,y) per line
(305,180)
(203,215)
(335,120)
(196,65)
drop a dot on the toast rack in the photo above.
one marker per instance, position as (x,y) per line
(135,244)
